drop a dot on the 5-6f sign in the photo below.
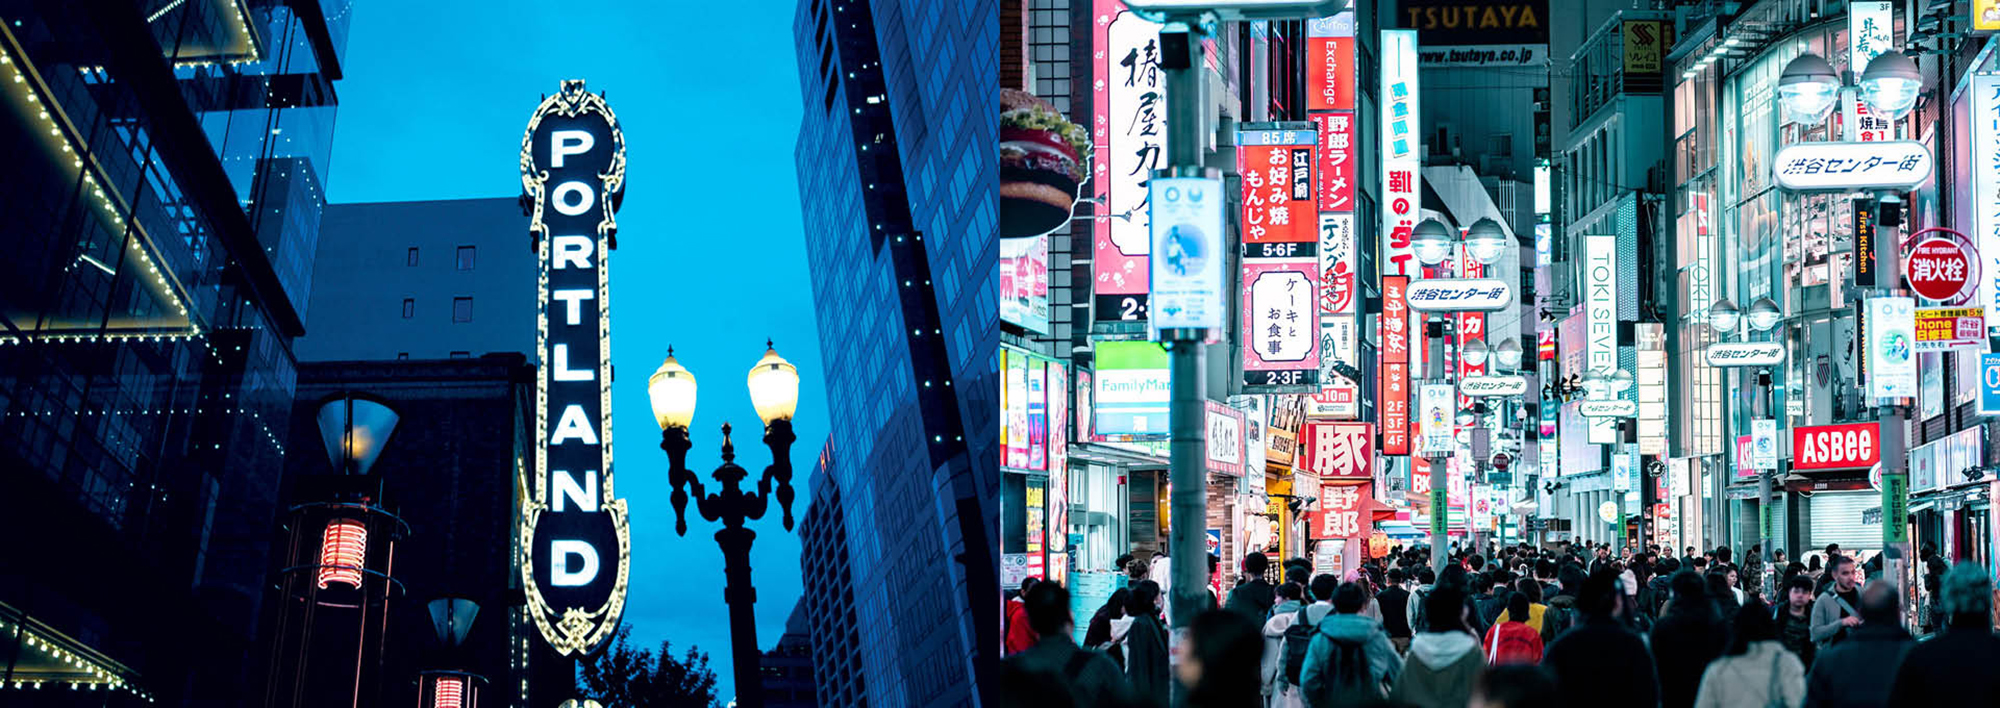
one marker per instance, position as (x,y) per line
(578,548)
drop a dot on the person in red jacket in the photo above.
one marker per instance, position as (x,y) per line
(1020,636)
(1513,642)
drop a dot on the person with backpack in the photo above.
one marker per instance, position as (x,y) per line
(1563,612)
(1296,632)
(1349,658)
(1837,612)
(1144,642)
(1600,661)
(1444,660)
(1756,671)
(1514,641)
(1279,691)
(1426,581)
(1688,636)
(1019,634)
(1253,597)
(1055,671)
(1532,591)
(1395,603)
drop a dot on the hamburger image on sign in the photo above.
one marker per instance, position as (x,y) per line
(1042,158)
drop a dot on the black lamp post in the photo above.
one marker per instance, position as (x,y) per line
(774,390)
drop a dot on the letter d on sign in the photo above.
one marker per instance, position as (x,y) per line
(559,573)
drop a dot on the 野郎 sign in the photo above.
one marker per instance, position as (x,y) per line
(576,545)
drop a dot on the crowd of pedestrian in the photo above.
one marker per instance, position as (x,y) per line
(1515,626)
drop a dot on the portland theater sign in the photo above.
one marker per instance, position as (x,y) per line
(578,549)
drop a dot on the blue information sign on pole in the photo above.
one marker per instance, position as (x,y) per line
(1989,384)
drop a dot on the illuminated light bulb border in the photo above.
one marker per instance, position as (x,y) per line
(252,51)
(108,677)
(17,67)
(343,552)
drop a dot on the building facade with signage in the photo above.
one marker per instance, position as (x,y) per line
(1741,236)
(159,269)
(894,162)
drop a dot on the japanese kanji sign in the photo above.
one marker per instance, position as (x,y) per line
(1984,149)
(1279,207)
(1941,269)
(1281,324)
(1344,511)
(1393,389)
(1129,131)
(1338,452)
(1401,151)
(1336,161)
(1852,166)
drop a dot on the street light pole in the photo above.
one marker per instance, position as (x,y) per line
(774,390)
(1434,331)
(1895,468)
(1187,133)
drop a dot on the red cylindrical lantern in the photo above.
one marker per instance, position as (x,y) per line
(449,693)
(343,551)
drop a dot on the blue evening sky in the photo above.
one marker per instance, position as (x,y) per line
(711,251)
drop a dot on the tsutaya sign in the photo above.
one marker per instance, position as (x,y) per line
(577,548)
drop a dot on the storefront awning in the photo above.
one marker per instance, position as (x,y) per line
(35,657)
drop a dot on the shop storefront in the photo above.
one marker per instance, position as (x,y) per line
(1035,479)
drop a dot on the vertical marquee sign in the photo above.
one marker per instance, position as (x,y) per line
(578,548)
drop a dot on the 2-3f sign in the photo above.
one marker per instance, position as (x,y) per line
(578,546)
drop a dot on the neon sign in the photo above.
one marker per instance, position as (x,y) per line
(578,546)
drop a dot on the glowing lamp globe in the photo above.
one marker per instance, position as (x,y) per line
(672,389)
(774,387)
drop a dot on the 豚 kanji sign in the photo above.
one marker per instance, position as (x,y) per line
(1845,166)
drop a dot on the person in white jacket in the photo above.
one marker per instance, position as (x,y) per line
(1278,691)
(1757,670)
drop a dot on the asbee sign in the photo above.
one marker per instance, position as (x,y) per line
(1493,385)
(1836,447)
(577,551)
(1459,295)
(1852,166)
(1746,354)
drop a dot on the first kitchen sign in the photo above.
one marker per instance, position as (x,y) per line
(577,546)
(1836,447)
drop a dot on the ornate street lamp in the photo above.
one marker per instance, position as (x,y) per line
(1890,84)
(451,617)
(1723,316)
(774,391)
(1808,89)
(1475,352)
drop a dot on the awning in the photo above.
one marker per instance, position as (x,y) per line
(36,657)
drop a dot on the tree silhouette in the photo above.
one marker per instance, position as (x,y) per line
(624,676)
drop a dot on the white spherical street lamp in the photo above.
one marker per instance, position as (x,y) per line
(1475,352)
(1508,354)
(1431,240)
(1723,315)
(1890,84)
(1485,241)
(1764,314)
(1808,88)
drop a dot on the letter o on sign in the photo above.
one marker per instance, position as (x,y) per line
(572,198)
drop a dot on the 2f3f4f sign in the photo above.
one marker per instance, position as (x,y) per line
(578,549)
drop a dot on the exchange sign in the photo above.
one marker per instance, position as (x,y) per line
(1460,295)
(1836,447)
(577,548)
(1941,269)
(1852,166)
(1746,354)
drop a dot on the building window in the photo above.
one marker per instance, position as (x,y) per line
(461,309)
(409,307)
(1501,145)
(413,257)
(461,355)
(402,356)
(465,257)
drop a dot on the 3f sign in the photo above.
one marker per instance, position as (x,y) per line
(574,527)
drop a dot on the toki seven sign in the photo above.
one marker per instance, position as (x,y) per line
(1856,166)
(577,548)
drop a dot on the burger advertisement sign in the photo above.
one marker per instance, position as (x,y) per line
(1041,162)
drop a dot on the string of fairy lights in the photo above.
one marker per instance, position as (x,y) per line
(98,676)
(251,52)
(109,205)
